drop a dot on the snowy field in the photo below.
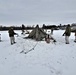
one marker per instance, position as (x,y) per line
(46,59)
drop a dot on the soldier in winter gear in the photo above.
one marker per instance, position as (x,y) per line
(48,38)
(11,35)
(23,28)
(67,33)
(52,31)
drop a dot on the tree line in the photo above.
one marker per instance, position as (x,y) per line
(55,27)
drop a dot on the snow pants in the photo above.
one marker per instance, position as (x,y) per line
(67,39)
(12,40)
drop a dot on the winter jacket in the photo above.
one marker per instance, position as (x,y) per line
(68,31)
(11,32)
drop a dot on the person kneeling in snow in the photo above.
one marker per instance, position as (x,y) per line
(48,38)
(11,35)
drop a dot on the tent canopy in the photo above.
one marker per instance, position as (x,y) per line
(37,34)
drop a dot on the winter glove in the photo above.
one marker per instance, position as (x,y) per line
(63,35)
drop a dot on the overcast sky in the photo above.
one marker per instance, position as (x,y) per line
(37,12)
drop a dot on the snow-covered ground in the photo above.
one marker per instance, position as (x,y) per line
(46,59)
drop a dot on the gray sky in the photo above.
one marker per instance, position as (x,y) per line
(17,12)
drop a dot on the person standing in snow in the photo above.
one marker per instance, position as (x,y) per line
(23,28)
(67,33)
(75,37)
(52,31)
(11,35)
